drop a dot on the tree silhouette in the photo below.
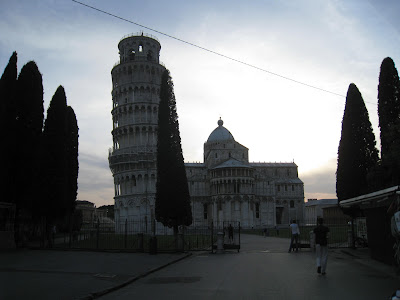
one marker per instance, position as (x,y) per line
(389,121)
(72,159)
(55,148)
(357,153)
(43,161)
(172,207)
(28,130)
(8,83)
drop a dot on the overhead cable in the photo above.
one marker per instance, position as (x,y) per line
(213,52)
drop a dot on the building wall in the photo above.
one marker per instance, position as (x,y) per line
(226,187)
(255,205)
(322,208)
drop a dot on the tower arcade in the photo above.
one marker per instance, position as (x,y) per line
(136,82)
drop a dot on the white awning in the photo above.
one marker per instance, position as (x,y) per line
(378,196)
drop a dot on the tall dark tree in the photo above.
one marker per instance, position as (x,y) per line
(72,159)
(172,207)
(389,121)
(29,124)
(8,83)
(55,162)
(357,153)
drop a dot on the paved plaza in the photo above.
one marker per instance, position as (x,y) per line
(263,269)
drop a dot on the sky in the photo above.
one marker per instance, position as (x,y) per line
(323,44)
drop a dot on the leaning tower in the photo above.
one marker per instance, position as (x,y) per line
(136,82)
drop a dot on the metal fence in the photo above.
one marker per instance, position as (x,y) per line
(153,237)
(343,232)
(228,232)
(135,236)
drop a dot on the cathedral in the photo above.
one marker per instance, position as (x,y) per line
(226,187)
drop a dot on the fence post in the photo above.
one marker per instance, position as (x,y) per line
(153,240)
(71,229)
(212,237)
(350,239)
(220,242)
(312,240)
(140,242)
(43,231)
(153,227)
(70,234)
(353,240)
(239,236)
(180,242)
(97,234)
(126,234)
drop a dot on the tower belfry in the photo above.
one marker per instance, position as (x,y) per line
(136,80)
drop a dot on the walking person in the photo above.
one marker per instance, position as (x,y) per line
(321,244)
(230,232)
(295,230)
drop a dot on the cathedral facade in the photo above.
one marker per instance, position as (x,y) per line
(226,187)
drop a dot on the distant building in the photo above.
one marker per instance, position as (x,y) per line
(226,187)
(328,209)
(101,213)
(90,213)
(334,215)
(88,210)
(315,208)
(106,211)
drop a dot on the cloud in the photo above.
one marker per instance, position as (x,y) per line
(321,182)
(95,180)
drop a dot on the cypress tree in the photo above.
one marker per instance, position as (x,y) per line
(357,153)
(29,124)
(30,100)
(389,121)
(72,159)
(172,207)
(55,162)
(8,82)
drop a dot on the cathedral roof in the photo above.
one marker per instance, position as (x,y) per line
(232,163)
(288,181)
(220,133)
(274,164)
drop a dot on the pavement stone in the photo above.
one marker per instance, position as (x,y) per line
(59,274)
(263,269)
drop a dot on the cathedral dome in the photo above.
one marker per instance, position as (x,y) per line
(220,133)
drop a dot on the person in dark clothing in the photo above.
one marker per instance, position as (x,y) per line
(321,244)
(230,232)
